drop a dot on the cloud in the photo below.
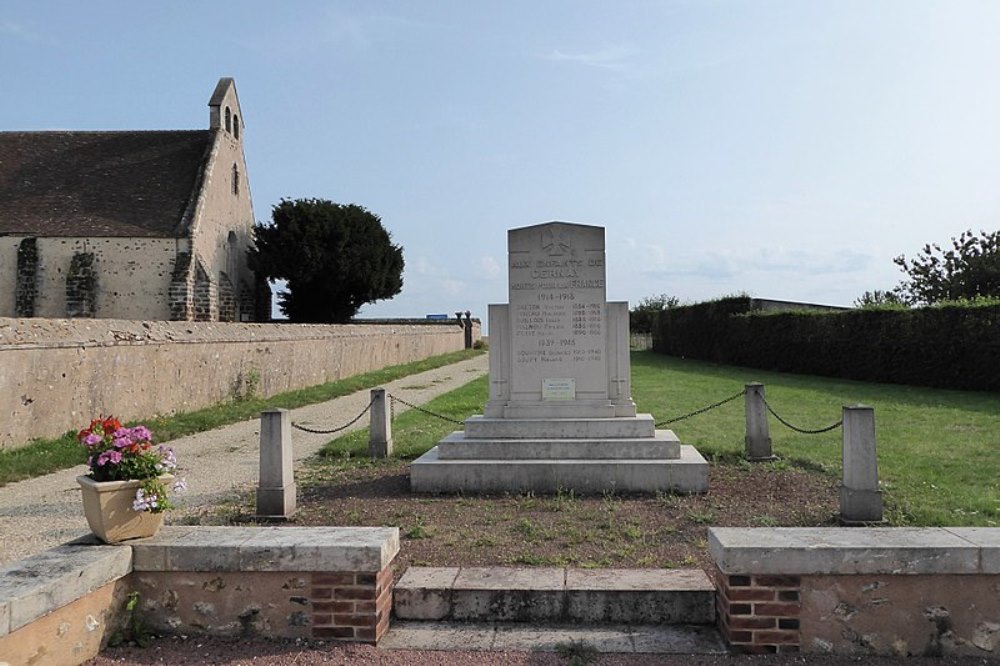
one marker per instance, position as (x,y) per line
(19,31)
(614,57)
(489,266)
(762,261)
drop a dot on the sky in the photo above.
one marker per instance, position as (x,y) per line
(784,149)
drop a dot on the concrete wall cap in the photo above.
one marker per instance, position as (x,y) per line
(37,585)
(212,548)
(876,550)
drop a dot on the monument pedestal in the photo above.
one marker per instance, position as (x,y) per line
(560,415)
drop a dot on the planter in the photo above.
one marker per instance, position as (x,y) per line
(108,508)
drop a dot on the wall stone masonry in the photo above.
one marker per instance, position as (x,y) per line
(58,374)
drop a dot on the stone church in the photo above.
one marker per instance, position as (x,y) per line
(130,224)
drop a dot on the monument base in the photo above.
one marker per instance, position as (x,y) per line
(687,474)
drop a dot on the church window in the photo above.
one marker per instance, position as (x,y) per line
(236,126)
(229,120)
(236,180)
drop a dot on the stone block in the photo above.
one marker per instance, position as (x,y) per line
(663,445)
(825,550)
(648,596)
(424,593)
(988,540)
(687,474)
(508,595)
(483,427)
(35,586)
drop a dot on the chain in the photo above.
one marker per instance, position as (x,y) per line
(702,410)
(343,427)
(424,411)
(803,430)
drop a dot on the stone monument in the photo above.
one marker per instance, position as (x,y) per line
(560,414)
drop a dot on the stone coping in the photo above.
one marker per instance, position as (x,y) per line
(37,585)
(554,579)
(856,550)
(212,548)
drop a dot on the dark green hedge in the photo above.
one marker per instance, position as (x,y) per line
(950,346)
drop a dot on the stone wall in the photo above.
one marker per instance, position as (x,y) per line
(57,374)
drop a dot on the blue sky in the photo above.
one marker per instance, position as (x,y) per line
(784,149)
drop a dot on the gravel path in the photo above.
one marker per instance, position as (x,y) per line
(219,465)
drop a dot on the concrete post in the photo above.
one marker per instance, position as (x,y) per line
(276,493)
(468,329)
(380,430)
(758,437)
(860,498)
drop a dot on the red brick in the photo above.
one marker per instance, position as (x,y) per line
(365,634)
(333,607)
(354,620)
(752,622)
(788,624)
(364,606)
(786,649)
(333,632)
(333,579)
(750,594)
(777,581)
(755,649)
(738,581)
(740,636)
(740,609)
(362,593)
(365,579)
(777,610)
(788,595)
(322,593)
(776,637)
(322,620)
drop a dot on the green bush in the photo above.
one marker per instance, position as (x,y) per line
(953,345)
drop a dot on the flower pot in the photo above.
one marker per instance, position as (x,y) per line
(108,508)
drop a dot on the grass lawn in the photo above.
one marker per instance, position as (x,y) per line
(49,455)
(939,451)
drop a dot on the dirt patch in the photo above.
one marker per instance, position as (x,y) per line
(610,530)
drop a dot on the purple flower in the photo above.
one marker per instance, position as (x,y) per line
(92,439)
(141,434)
(180,485)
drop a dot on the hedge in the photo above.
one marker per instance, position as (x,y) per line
(949,346)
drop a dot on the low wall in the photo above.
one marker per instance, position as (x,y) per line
(62,606)
(859,591)
(57,374)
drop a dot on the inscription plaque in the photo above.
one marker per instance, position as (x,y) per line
(558,302)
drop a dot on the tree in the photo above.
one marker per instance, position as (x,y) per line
(642,317)
(878,299)
(970,269)
(335,258)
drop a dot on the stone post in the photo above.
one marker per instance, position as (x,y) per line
(860,498)
(380,429)
(758,437)
(276,493)
(468,329)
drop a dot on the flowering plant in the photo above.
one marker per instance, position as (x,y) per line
(117,453)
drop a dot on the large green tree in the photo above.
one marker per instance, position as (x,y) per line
(969,269)
(334,257)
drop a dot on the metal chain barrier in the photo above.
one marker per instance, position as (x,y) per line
(425,411)
(804,431)
(702,410)
(343,427)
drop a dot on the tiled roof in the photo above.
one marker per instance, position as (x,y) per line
(99,183)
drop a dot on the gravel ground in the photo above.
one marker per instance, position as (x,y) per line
(219,465)
(233,653)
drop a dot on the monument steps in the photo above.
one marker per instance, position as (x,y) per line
(556,595)
(623,427)
(458,446)
(652,611)
(686,474)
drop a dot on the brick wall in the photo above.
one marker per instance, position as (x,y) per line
(759,614)
(351,606)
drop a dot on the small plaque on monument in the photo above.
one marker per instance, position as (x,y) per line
(559,389)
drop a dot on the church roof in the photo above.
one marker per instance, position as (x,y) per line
(133,183)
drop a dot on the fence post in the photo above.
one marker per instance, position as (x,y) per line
(860,498)
(758,437)
(380,437)
(276,491)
